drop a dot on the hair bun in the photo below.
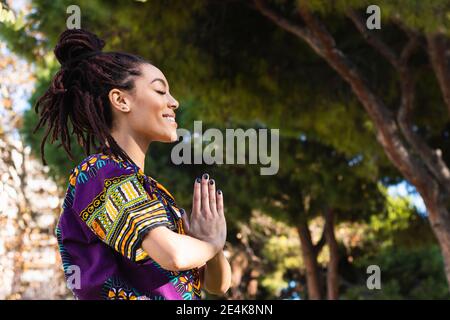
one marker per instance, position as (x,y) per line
(76,43)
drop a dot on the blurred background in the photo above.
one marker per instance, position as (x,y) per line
(361,97)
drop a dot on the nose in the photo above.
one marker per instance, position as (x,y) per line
(173,103)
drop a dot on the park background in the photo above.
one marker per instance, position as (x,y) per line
(364,138)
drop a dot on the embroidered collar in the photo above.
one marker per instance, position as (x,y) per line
(154,185)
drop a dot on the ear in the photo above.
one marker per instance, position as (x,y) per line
(119,99)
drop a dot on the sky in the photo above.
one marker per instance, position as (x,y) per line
(405,189)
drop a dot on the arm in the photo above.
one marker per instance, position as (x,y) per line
(217,275)
(177,252)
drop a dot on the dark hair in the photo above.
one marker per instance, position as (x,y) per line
(79,92)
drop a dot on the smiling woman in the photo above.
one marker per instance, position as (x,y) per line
(154,118)
(121,234)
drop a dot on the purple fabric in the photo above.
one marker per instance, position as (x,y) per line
(105,215)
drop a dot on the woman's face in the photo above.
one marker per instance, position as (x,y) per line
(151,107)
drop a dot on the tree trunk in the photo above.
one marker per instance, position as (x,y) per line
(332,270)
(239,263)
(310,260)
(440,223)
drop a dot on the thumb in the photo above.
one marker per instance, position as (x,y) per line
(186,219)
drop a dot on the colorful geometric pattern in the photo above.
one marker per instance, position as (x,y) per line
(187,283)
(116,289)
(123,213)
(65,257)
(128,205)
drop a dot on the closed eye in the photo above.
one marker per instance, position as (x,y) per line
(160,92)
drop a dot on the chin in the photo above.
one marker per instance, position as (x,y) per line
(173,137)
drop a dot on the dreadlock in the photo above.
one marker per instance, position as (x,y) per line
(79,91)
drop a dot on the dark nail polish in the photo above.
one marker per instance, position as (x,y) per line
(211,181)
(198,180)
(219,191)
(205,176)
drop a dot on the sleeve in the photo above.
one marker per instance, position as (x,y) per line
(114,204)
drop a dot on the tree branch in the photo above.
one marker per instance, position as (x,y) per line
(322,241)
(387,130)
(282,21)
(437,48)
(321,41)
(373,40)
(432,158)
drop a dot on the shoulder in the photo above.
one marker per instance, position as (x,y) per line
(98,166)
(98,175)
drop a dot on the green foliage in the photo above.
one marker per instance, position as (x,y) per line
(313,176)
(277,246)
(427,16)
(402,244)
(406,273)
(399,225)
(282,254)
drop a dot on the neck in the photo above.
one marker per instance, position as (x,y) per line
(135,147)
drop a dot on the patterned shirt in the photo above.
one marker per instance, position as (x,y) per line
(109,206)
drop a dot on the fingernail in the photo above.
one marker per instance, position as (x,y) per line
(219,191)
(205,176)
(198,180)
(211,181)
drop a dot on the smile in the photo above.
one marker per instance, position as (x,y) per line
(170,118)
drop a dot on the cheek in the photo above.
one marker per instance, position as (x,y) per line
(148,108)
(147,119)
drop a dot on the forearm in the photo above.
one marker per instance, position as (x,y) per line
(193,252)
(177,252)
(217,274)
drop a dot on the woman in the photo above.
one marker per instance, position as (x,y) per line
(121,235)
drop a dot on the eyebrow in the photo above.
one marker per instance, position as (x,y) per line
(161,80)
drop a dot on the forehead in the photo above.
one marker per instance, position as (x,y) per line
(150,72)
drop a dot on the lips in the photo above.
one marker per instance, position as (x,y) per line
(170,118)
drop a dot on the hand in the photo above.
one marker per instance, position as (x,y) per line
(207,220)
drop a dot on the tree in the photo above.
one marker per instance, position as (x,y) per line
(419,163)
(315,180)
